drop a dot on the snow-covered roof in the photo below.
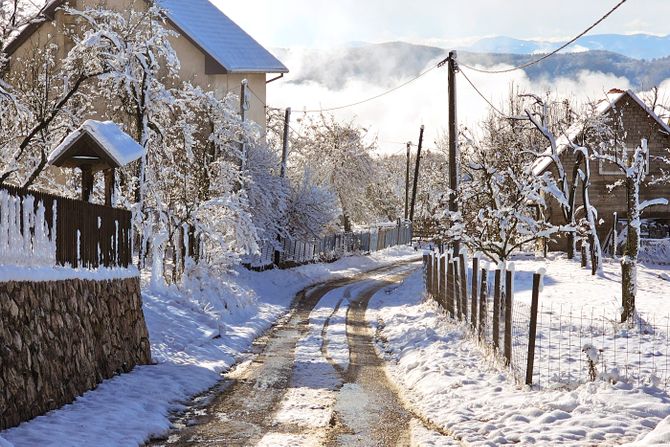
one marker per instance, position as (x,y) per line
(200,21)
(573,132)
(117,144)
(220,37)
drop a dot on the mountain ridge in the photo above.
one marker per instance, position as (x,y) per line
(386,63)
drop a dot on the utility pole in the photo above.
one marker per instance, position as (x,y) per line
(244,106)
(282,173)
(453,141)
(409,147)
(416,175)
(284,152)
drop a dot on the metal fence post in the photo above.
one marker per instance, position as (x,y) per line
(533,328)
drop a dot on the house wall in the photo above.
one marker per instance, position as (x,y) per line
(638,125)
(61,338)
(191,58)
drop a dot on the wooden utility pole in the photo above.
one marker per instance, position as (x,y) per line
(282,171)
(453,141)
(409,146)
(416,175)
(244,106)
(284,152)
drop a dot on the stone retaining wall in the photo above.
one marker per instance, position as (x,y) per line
(60,339)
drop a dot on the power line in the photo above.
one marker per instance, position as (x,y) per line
(346,106)
(482,96)
(546,56)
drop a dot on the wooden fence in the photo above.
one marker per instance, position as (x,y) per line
(290,252)
(483,299)
(44,229)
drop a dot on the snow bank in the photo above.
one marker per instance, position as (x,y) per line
(193,340)
(58,273)
(446,378)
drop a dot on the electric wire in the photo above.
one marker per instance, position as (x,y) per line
(548,55)
(482,96)
(372,98)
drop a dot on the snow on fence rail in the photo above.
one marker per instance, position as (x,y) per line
(290,252)
(39,229)
(543,345)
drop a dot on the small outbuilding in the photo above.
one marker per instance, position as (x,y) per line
(93,147)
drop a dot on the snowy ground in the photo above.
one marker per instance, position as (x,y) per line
(460,388)
(578,309)
(194,338)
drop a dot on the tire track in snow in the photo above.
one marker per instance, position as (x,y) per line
(244,408)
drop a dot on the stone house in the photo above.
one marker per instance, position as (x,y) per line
(638,122)
(215,53)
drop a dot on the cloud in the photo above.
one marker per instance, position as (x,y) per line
(325,23)
(395,118)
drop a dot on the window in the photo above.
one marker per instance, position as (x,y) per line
(609,168)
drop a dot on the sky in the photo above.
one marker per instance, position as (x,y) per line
(328,23)
(395,119)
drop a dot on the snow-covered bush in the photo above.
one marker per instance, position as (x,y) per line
(592,358)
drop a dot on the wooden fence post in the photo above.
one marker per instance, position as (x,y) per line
(464,287)
(482,304)
(475,292)
(450,288)
(436,275)
(508,317)
(456,288)
(441,283)
(427,274)
(496,310)
(533,328)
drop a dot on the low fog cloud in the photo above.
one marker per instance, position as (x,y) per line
(396,117)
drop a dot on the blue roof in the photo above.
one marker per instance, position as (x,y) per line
(221,38)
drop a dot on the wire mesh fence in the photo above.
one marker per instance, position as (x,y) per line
(288,252)
(544,345)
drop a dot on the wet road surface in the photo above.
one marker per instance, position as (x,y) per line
(342,405)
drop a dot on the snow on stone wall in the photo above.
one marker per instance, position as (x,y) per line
(26,238)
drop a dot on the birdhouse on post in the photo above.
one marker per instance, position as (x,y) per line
(96,146)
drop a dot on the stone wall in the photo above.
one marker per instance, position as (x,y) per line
(60,339)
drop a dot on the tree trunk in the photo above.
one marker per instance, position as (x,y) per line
(346,222)
(571,245)
(571,212)
(629,259)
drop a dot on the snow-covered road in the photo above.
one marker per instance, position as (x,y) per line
(317,380)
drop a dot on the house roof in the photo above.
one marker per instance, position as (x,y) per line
(228,47)
(99,143)
(573,132)
(221,38)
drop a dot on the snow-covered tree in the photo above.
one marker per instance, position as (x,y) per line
(311,209)
(568,184)
(337,157)
(499,205)
(633,166)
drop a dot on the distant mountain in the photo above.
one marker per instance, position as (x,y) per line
(637,46)
(385,64)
